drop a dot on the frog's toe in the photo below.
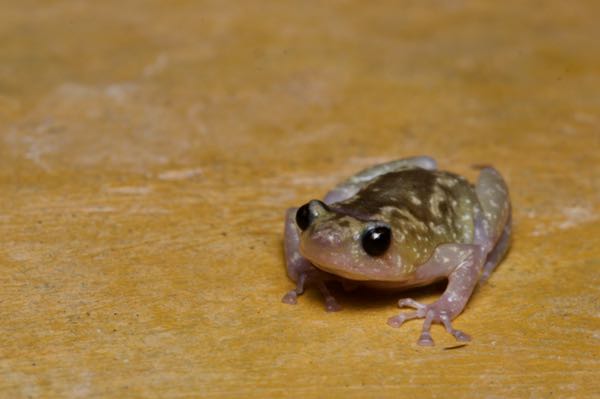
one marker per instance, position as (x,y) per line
(434,314)
(397,321)
(331,305)
(459,335)
(431,314)
(411,303)
(425,339)
(291,298)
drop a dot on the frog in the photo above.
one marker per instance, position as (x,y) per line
(399,225)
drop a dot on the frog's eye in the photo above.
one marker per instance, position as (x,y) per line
(376,240)
(309,212)
(303,217)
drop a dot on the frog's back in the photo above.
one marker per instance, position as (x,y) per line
(424,208)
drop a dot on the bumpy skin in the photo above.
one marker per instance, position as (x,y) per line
(442,227)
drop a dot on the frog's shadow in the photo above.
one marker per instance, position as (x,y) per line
(364,298)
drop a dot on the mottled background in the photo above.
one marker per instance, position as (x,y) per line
(148,150)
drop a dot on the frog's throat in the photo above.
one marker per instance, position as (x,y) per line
(347,274)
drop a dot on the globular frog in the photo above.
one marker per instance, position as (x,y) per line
(398,225)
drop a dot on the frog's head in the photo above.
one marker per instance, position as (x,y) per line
(343,245)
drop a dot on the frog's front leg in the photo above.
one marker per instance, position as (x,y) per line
(461,264)
(300,269)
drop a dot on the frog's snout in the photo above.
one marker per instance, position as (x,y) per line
(326,236)
(324,239)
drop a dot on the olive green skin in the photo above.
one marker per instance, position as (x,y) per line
(424,208)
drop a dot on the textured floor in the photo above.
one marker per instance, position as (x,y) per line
(149,149)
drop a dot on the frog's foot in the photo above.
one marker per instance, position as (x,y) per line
(433,313)
(291,297)
(331,305)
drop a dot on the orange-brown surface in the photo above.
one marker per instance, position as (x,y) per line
(149,149)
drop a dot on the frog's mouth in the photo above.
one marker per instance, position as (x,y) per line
(337,262)
(353,265)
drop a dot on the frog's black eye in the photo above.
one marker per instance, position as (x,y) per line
(376,240)
(307,213)
(303,217)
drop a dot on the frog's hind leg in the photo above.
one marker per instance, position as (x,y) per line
(300,269)
(353,184)
(493,225)
(497,254)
